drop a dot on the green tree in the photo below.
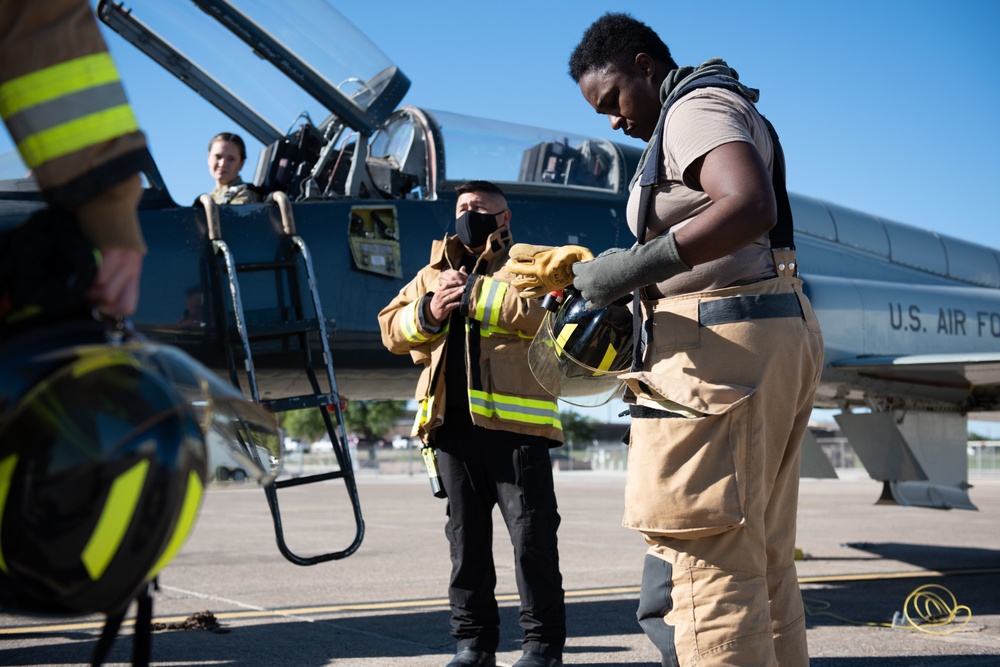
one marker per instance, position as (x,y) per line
(373,419)
(577,429)
(306,425)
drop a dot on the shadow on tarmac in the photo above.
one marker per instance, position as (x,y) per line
(873,602)
(419,634)
(929,556)
(908,661)
(603,631)
(595,628)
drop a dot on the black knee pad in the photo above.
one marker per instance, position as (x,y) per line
(654,603)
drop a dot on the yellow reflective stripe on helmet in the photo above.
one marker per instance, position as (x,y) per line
(82,132)
(609,357)
(564,335)
(93,362)
(119,507)
(185,522)
(7,467)
(490,300)
(408,322)
(57,81)
(515,408)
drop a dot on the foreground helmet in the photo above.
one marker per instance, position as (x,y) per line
(102,466)
(579,354)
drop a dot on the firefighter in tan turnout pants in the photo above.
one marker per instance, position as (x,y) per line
(732,352)
(491,425)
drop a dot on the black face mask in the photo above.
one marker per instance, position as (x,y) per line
(474,228)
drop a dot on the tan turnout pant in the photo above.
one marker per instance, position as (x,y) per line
(713,472)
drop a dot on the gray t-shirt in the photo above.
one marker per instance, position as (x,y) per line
(702,120)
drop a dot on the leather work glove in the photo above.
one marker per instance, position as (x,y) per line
(540,269)
(617,272)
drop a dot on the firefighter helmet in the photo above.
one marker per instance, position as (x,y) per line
(102,465)
(579,354)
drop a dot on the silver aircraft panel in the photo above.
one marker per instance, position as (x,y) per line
(860,230)
(915,247)
(972,263)
(863,318)
(812,217)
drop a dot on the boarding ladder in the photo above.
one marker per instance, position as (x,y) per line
(295,322)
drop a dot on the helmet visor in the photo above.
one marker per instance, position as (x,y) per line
(241,438)
(566,377)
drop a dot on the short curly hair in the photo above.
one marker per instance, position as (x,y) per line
(615,39)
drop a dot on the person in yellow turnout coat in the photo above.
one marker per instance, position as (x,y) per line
(491,426)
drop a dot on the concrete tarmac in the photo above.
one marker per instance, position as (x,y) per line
(385,605)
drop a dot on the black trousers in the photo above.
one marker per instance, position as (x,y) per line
(480,469)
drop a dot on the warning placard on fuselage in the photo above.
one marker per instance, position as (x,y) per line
(373,234)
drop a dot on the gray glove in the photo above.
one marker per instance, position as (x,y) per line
(617,272)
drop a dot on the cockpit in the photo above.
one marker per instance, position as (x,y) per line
(349,138)
(406,159)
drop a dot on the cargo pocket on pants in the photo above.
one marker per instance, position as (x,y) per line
(685,475)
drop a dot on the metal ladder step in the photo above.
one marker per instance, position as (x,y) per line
(263,331)
(299,402)
(275,265)
(310,479)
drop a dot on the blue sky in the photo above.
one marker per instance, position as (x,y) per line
(887,107)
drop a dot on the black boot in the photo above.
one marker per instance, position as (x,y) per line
(533,659)
(471,657)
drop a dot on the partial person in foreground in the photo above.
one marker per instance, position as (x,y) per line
(103,435)
(723,382)
(491,426)
(65,108)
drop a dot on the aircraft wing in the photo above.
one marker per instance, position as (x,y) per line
(970,380)
(917,446)
(976,369)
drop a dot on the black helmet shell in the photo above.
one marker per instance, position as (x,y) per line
(596,340)
(579,354)
(102,466)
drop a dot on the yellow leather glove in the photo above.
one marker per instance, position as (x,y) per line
(540,269)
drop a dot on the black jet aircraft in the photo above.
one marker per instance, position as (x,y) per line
(281,293)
